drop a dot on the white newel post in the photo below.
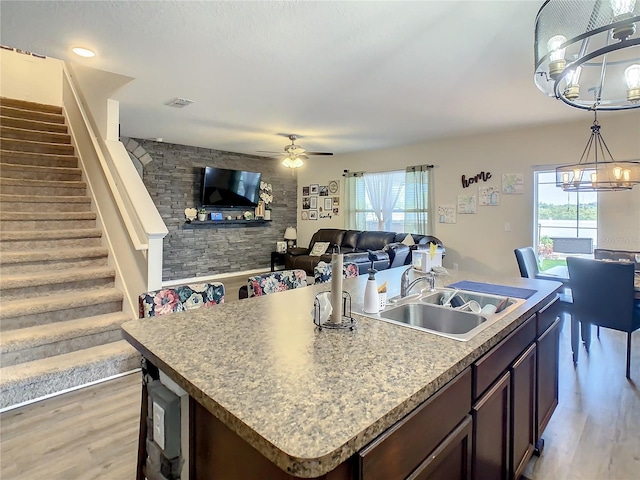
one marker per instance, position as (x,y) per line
(154,263)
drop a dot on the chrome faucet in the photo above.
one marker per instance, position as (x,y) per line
(406,286)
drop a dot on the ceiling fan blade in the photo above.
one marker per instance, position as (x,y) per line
(318,153)
(268,151)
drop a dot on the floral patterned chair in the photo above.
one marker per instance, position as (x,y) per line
(276,282)
(180,298)
(322,271)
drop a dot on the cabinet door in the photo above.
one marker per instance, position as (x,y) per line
(451,460)
(491,432)
(547,372)
(523,411)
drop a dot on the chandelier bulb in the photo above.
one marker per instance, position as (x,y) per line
(556,56)
(632,78)
(617,173)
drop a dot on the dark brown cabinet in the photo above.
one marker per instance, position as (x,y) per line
(426,432)
(523,411)
(547,376)
(452,459)
(491,417)
(515,393)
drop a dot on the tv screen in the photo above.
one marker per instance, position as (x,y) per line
(223,187)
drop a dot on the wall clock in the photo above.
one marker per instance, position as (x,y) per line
(333,186)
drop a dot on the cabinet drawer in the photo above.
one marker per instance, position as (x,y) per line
(548,315)
(398,451)
(488,368)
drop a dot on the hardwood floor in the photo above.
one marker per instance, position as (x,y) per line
(92,433)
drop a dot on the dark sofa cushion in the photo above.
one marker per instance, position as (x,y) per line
(374,240)
(331,235)
(361,259)
(349,241)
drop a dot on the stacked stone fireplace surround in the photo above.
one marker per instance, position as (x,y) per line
(60,312)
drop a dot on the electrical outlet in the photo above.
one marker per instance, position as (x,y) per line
(158,425)
(507,226)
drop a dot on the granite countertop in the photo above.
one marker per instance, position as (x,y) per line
(309,399)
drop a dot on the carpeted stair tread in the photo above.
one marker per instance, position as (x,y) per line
(7,169)
(31,337)
(36,147)
(11,198)
(35,125)
(47,216)
(51,278)
(19,235)
(31,380)
(53,303)
(41,183)
(34,135)
(30,106)
(42,159)
(7,111)
(7,258)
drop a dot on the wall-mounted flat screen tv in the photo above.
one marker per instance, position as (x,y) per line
(222,187)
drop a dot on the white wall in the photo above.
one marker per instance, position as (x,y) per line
(479,242)
(25,77)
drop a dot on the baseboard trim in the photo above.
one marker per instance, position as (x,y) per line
(67,390)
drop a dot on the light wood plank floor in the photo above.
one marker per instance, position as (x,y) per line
(92,433)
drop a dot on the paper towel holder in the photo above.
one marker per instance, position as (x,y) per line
(348,322)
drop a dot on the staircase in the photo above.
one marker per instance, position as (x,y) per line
(60,314)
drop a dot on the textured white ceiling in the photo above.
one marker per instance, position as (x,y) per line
(346,76)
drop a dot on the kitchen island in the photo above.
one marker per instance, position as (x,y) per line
(310,401)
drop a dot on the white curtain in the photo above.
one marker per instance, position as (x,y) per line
(383,193)
(351,203)
(419,200)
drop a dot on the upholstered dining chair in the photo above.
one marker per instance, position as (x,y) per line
(322,271)
(528,266)
(162,302)
(180,298)
(603,294)
(276,282)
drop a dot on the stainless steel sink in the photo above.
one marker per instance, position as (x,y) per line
(445,321)
(425,312)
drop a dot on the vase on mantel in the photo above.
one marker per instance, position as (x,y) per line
(267,214)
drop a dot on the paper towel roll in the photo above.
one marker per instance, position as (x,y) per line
(336,287)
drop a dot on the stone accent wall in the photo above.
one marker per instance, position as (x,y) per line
(173,178)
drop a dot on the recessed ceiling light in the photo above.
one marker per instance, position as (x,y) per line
(83,52)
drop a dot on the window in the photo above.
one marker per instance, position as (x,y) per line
(566,222)
(395,201)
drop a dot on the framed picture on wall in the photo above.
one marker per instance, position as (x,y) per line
(305,191)
(313,189)
(305,203)
(328,204)
(324,191)
(313,214)
(313,203)
(304,215)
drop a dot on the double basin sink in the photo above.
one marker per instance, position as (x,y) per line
(425,312)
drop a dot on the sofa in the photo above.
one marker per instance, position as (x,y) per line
(387,247)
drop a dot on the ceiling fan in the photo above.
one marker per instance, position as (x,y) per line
(294,154)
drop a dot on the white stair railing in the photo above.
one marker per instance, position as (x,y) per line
(131,224)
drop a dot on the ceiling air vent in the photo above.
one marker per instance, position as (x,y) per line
(179,102)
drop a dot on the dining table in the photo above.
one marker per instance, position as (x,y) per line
(560,273)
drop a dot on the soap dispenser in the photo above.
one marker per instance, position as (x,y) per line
(371,299)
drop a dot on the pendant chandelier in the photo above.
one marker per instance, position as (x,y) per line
(587,53)
(603,173)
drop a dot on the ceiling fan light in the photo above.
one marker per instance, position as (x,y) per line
(287,163)
(297,163)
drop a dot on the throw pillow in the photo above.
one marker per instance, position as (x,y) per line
(319,248)
(408,240)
